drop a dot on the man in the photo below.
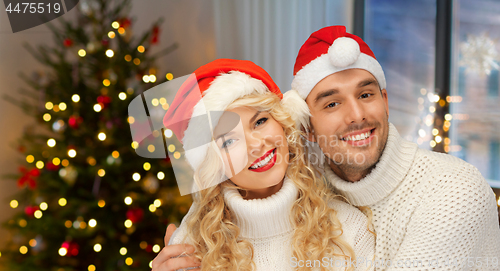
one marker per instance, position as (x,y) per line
(430,210)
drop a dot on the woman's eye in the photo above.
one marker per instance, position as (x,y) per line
(228,143)
(330,105)
(260,121)
(364,96)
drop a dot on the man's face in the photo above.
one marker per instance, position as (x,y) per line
(349,120)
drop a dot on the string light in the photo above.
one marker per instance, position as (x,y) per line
(435,132)
(121,30)
(157,203)
(23,223)
(91,267)
(152,208)
(111,34)
(123,251)
(177,155)
(63,251)
(110,53)
(152,78)
(169,76)
(101,203)
(75,98)
(151,148)
(51,142)
(115,25)
(432,109)
(92,223)
(136,176)
(101,172)
(71,153)
(129,261)
(65,163)
(143,245)
(137,61)
(150,264)
(97,108)
(62,106)
(101,136)
(68,224)
(128,200)
(127,223)
(14,203)
(155,102)
(141,49)
(168,133)
(145,78)
(38,214)
(128,58)
(160,175)
(115,154)
(44,206)
(156,248)
(47,117)
(49,105)
(62,202)
(122,96)
(32,243)
(438,139)
(432,143)
(171,148)
(30,158)
(97,247)
(56,161)
(82,53)
(56,108)
(147,166)
(23,249)
(106,82)
(39,164)
(135,145)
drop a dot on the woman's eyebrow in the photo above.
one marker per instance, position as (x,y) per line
(255,116)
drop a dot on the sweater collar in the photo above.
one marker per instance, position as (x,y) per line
(261,218)
(390,170)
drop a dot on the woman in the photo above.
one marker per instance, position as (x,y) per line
(272,213)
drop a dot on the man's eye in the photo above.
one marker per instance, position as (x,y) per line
(366,95)
(330,105)
(228,143)
(260,121)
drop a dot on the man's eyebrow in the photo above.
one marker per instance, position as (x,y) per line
(325,94)
(367,82)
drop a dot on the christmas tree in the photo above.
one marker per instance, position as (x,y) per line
(86,200)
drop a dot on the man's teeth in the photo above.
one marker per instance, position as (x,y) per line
(358,137)
(263,162)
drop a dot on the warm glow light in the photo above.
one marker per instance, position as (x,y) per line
(106,82)
(135,145)
(62,201)
(38,214)
(65,163)
(169,76)
(44,206)
(128,223)
(155,102)
(23,223)
(115,154)
(128,200)
(97,247)
(121,30)
(63,251)
(128,58)
(145,78)
(101,172)
(171,148)
(39,164)
(432,109)
(122,96)
(447,141)
(63,106)
(111,34)
(97,107)
(141,49)
(46,117)
(51,142)
(143,245)
(110,53)
(68,224)
(49,105)
(101,203)
(157,203)
(152,78)
(32,243)
(150,264)
(432,143)
(30,159)
(163,101)
(115,25)
(136,176)
(151,148)
(438,139)
(14,203)
(82,53)
(71,153)
(23,249)
(75,98)
(435,132)
(147,166)
(177,155)
(137,61)
(56,161)
(101,136)
(160,175)
(129,261)
(152,208)
(91,267)
(92,223)
(448,117)
(168,133)
(123,251)
(156,248)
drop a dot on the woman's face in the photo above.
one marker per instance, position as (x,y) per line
(254,150)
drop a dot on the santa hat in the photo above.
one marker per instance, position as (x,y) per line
(213,87)
(330,50)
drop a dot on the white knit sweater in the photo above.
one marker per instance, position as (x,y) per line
(431,211)
(266,224)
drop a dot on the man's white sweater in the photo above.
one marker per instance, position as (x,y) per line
(266,224)
(430,210)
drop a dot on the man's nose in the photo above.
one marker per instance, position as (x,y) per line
(356,112)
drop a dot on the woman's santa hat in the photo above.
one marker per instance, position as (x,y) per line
(330,50)
(213,87)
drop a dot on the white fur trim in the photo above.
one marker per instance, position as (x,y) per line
(297,108)
(321,67)
(343,52)
(223,90)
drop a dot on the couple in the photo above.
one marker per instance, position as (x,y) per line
(428,210)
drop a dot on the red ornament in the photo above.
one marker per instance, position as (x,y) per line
(30,210)
(68,42)
(135,214)
(156,34)
(28,177)
(52,167)
(125,22)
(105,42)
(74,121)
(72,248)
(149,248)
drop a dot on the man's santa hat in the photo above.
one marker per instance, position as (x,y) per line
(213,87)
(330,50)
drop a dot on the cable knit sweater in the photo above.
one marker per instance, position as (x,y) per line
(431,211)
(266,224)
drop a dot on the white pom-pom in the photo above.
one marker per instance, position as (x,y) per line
(343,52)
(297,108)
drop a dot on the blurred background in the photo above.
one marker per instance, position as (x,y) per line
(441,60)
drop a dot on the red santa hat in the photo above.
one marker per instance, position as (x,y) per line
(330,50)
(213,87)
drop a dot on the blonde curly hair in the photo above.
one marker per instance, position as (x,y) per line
(212,230)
